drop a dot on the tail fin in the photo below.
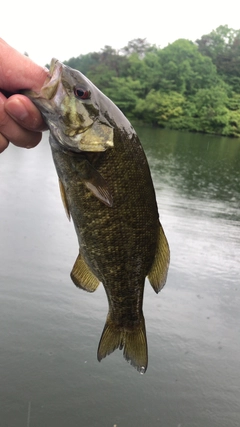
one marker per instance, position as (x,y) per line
(132,341)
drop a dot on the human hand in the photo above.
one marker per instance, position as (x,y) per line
(20,121)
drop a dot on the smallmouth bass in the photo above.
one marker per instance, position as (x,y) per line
(107,190)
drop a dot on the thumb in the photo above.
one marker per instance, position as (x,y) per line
(17,71)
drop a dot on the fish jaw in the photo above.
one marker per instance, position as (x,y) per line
(51,84)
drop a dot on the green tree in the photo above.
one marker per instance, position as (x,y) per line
(160,108)
(83,63)
(211,112)
(216,43)
(186,85)
(185,68)
(223,47)
(124,92)
(113,60)
(101,75)
(138,46)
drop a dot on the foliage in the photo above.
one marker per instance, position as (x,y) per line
(124,92)
(223,47)
(185,85)
(159,108)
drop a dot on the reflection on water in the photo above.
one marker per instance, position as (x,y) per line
(50,330)
(203,181)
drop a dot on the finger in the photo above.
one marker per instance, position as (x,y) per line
(12,131)
(3,143)
(24,112)
(17,71)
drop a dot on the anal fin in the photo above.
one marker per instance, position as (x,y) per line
(158,273)
(82,276)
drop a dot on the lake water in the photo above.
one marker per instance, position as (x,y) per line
(49,329)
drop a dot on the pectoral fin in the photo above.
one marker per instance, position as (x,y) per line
(94,182)
(98,186)
(82,276)
(64,199)
(158,272)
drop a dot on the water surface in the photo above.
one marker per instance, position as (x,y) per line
(49,329)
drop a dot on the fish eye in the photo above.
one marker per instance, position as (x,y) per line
(81,93)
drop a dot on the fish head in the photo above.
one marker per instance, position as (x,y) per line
(75,110)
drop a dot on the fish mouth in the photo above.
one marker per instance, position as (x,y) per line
(50,86)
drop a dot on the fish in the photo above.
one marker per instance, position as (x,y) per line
(107,190)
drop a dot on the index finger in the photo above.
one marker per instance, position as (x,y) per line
(18,71)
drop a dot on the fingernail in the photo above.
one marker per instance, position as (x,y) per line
(16,109)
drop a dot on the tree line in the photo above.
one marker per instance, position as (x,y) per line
(185,85)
